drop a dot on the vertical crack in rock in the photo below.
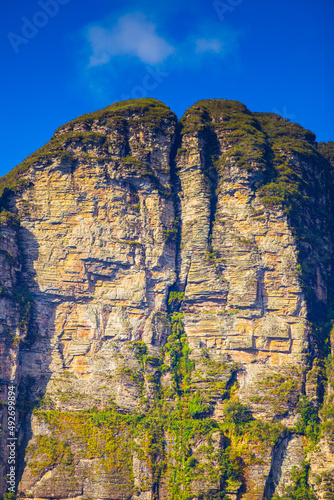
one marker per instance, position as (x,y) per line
(176,287)
(286,454)
(210,154)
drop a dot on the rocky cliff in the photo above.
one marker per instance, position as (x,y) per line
(166,305)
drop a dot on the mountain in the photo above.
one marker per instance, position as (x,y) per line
(166,308)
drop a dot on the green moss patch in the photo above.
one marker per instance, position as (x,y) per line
(245,141)
(184,448)
(300,489)
(149,112)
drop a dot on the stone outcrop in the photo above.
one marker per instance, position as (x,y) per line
(165,306)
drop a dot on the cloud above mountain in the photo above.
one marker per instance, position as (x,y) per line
(133,35)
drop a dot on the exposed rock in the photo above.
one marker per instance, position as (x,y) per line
(288,453)
(163,304)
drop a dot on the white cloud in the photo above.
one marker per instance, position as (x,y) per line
(208,45)
(133,35)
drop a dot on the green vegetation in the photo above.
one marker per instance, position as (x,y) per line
(9,256)
(174,434)
(4,292)
(309,424)
(172,430)
(246,140)
(8,218)
(212,256)
(279,391)
(199,406)
(175,299)
(148,111)
(326,149)
(279,150)
(122,114)
(45,403)
(235,412)
(23,299)
(8,496)
(137,168)
(15,340)
(300,490)
(327,410)
(170,234)
(129,160)
(22,296)
(136,206)
(284,184)
(298,179)
(140,351)
(177,352)
(53,452)
(229,312)
(55,148)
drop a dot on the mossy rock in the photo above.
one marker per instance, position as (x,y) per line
(210,117)
(146,111)
(134,112)
(326,149)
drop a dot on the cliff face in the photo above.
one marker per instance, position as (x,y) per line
(165,294)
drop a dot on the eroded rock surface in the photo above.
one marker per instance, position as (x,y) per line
(164,290)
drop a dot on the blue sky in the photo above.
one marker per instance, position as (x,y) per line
(63,58)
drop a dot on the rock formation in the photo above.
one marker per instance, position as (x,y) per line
(166,305)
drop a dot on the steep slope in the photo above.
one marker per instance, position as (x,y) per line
(166,301)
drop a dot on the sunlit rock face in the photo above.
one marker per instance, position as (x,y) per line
(165,295)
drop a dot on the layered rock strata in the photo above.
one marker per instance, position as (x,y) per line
(165,289)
